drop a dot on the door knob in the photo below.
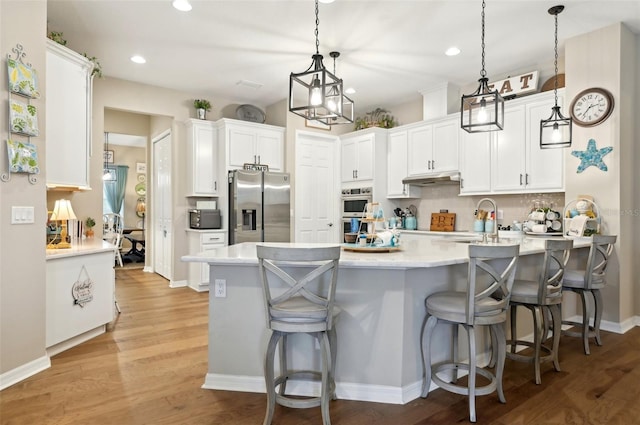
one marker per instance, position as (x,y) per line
(330,224)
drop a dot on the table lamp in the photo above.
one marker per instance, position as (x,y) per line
(62,211)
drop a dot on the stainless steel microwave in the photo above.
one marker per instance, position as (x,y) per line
(204,219)
(355,200)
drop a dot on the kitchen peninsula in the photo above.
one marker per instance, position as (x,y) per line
(382,300)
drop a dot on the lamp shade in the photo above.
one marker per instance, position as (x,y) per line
(63,211)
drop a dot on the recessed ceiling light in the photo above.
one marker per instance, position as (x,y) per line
(326,1)
(138,59)
(452,51)
(182,5)
(350,90)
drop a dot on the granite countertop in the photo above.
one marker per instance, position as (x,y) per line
(84,247)
(422,253)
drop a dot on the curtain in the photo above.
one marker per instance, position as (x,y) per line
(114,190)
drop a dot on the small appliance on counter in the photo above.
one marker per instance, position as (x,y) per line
(205,219)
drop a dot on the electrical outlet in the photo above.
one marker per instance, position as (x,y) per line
(220,288)
(500,215)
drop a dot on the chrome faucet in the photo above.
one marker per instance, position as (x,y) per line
(495,224)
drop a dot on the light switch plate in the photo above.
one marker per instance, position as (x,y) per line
(22,215)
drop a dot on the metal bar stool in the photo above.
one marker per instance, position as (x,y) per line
(543,298)
(482,304)
(590,280)
(303,304)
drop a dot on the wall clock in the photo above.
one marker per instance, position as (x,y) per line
(591,106)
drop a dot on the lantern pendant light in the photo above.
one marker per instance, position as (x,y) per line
(338,102)
(310,91)
(483,110)
(555,131)
(108,172)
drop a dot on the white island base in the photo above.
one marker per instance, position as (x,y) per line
(382,301)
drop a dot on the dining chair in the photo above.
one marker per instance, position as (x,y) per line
(543,298)
(590,280)
(299,304)
(112,231)
(490,277)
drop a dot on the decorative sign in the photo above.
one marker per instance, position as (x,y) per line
(141,167)
(592,156)
(255,167)
(108,157)
(513,86)
(82,289)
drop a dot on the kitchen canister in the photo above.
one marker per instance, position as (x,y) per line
(478,225)
(410,223)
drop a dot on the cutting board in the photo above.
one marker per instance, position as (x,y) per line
(443,222)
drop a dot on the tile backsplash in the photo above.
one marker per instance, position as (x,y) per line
(514,207)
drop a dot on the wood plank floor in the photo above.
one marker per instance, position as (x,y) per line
(148,369)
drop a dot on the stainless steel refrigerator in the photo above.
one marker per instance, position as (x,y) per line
(259,206)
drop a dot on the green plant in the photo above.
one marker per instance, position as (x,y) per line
(90,222)
(97,68)
(57,37)
(377,118)
(202,104)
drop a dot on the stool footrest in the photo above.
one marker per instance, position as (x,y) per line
(298,401)
(591,333)
(459,389)
(526,358)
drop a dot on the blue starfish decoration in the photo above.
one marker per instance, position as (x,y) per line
(592,156)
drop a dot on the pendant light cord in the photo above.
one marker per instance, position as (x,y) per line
(483,73)
(555,82)
(317,24)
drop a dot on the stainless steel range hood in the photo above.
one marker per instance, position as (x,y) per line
(451,177)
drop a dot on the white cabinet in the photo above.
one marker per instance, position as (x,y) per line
(357,158)
(475,163)
(511,161)
(202,158)
(397,165)
(518,163)
(68,117)
(251,143)
(80,289)
(203,241)
(433,148)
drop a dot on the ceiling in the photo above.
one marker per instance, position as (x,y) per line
(390,50)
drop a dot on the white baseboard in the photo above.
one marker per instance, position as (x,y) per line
(202,287)
(76,340)
(178,283)
(21,373)
(147,269)
(344,390)
(615,327)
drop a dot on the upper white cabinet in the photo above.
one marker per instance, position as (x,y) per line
(475,162)
(397,166)
(518,163)
(251,143)
(202,158)
(433,147)
(511,161)
(357,157)
(68,110)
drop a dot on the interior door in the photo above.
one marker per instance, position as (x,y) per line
(317,188)
(162,212)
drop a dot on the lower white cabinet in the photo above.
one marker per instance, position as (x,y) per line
(201,241)
(79,294)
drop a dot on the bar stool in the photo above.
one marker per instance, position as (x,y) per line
(302,305)
(482,304)
(590,280)
(543,297)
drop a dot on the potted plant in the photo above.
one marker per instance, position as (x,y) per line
(202,106)
(377,118)
(89,222)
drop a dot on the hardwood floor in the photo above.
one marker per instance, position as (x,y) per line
(148,369)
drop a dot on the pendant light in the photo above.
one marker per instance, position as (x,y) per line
(484,109)
(339,102)
(309,91)
(108,172)
(555,131)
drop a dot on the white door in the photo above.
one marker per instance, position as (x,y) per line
(161,212)
(317,189)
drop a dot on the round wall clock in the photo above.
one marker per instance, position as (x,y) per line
(591,106)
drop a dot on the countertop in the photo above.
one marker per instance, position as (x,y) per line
(421,253)
(84,247)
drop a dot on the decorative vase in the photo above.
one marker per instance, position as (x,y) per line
(89,233)
(202,113)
